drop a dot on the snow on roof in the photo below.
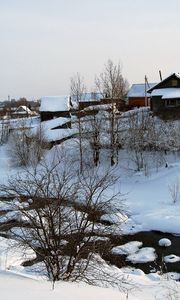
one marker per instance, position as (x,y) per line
(88,97)
(54,103)
(177,75)
(50,124)
(167,93)
(23,109)
(138,90)
(98,107)
(59,134)
(52,134)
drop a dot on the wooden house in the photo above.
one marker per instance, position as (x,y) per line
(85,100)
(94,100)
(138,95)
(165,97)
(54,107)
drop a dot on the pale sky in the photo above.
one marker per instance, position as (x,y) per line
(45,42)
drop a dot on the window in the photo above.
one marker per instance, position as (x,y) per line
(174,82)
(173,102)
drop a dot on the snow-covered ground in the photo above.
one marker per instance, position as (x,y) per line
(149,206)
(150,203)
(13,286)
(19,283)
(5,166)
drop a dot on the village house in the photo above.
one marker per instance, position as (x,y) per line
(138,94)
(54,107)
(62,107)
(84,100)
(95,102)
(165,97)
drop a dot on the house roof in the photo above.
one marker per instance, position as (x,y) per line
(176,75)
(54,103)
(92,97)
(138,90)
(23,109)
(86,97)
(167,93)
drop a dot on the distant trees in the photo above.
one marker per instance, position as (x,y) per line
(111,81)
(112,86)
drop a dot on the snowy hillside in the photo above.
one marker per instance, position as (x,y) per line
(151,199)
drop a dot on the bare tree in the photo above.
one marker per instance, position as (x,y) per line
(112,85)
(136,138)
(27,147)
(59,211)
(142,138)
(77,92)
(96,126)
(4,130)
(94,129)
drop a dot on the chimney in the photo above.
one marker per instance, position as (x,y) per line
(160,75)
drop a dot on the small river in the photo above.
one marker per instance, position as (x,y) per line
(149,239)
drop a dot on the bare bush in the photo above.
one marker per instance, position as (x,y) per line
(26,147)
(59,212)
(174,189)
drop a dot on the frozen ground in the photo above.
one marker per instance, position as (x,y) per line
(13,286)
(4,162)
(149,201)
(18,283)
(150,207)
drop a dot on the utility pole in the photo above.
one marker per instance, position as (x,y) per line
(146,86)
(9,105)
(145,91)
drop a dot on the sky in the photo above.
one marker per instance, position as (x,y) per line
(46,42)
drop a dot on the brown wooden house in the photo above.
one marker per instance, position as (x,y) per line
(138,95)
(165,97)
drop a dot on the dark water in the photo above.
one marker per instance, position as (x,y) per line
(149,239)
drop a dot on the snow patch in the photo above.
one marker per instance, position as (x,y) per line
(164,242)
(171,258)
(144,255)
(128,248)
